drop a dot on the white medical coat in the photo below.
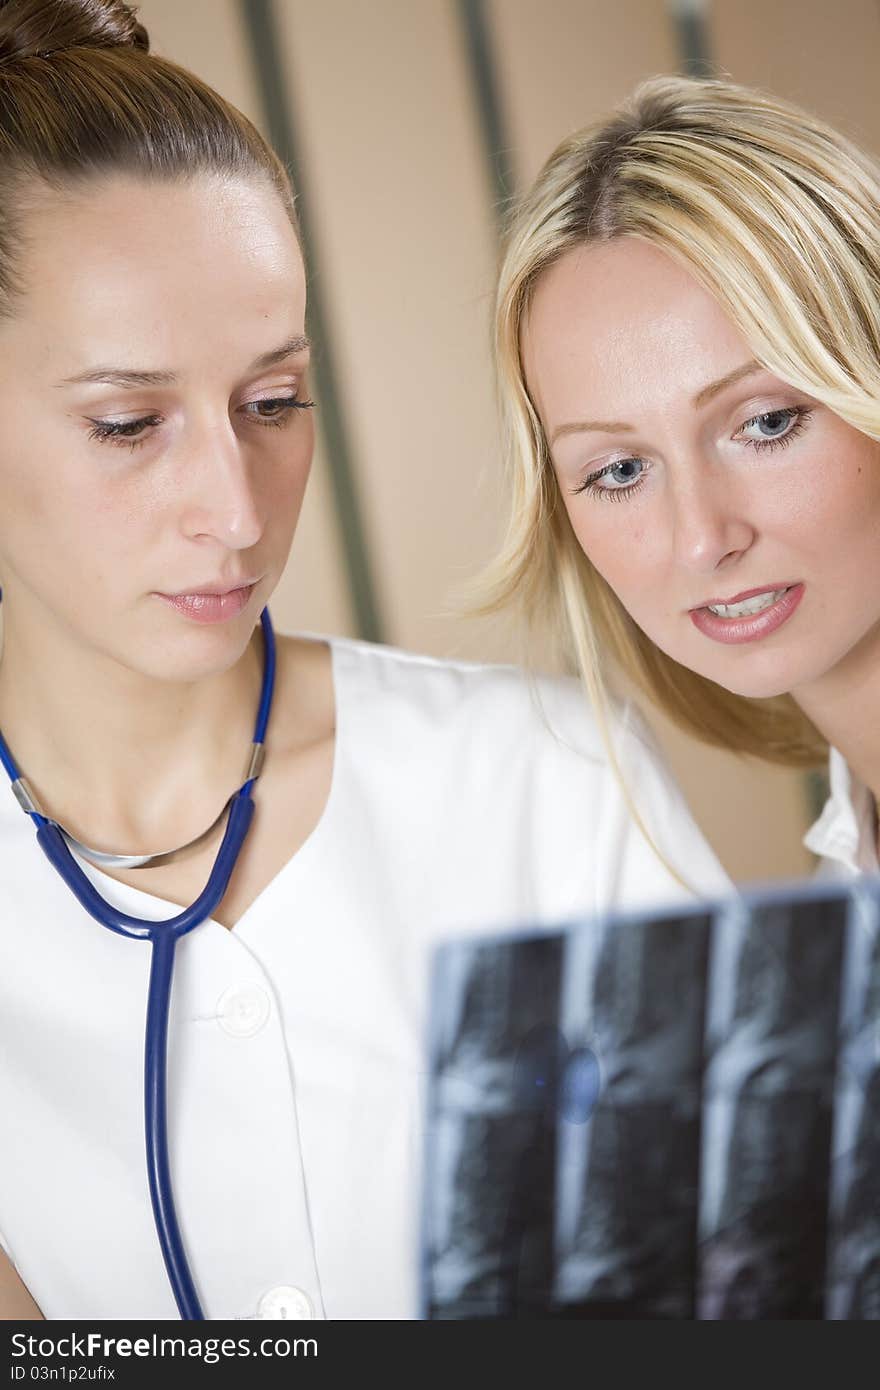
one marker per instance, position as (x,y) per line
(296,1044)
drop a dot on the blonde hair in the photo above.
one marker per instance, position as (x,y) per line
(778,216)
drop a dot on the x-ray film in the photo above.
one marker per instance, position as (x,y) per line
(674,1116)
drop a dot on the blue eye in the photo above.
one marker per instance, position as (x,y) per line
(782,426)
(626,474)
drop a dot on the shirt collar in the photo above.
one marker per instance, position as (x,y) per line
(845,831)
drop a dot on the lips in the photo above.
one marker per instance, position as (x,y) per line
(748,627)
(210,606)
(219,587)
(740,598)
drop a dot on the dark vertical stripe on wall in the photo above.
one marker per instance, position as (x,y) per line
(496,146)
(259,20)
(689,17)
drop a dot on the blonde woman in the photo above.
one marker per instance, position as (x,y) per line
(688,341)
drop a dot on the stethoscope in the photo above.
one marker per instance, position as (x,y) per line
(163,936)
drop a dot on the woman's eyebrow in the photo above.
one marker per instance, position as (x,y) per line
(704,395)
(124,376)
(715,387)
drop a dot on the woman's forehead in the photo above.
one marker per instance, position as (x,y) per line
(609,316)
(151,267)
(620,281)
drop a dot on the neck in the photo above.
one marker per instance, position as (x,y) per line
(123,760)
(843,706)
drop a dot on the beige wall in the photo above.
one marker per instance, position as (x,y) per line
(402,210)
(406,253)
(822,55)
(566,63)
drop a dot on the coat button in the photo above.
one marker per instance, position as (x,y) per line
(242,1010)
(286,1301)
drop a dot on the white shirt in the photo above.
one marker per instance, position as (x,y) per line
(845,835)
(296,1040)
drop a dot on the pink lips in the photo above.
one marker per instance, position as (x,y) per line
(748,629)
(210,608)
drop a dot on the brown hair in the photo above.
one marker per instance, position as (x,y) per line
(81,96)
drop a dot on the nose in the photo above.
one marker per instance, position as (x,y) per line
(711,525)
(221,500)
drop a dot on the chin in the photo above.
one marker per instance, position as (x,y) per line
(756,690)
(755,685)
(193,653)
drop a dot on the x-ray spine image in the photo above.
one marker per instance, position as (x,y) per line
(772,1027)
(853,1290)
(628,1165)
(660,1117)
(564,1130)
(491,1127)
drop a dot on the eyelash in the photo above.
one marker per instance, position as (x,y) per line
(119,432)
(800,415)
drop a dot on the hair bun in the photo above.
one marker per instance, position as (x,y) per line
(37,28)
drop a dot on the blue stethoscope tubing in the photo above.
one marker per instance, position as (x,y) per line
(163,937)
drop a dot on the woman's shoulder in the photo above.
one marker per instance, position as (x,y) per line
(404,692)
(506,745)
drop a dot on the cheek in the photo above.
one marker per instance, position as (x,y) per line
(292,474)
(47,504)
(301,455)
(127,504)
(618,546)
(285,476)
(853,501)
(62,540)
(829,512)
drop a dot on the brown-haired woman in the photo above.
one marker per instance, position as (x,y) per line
(156,442)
